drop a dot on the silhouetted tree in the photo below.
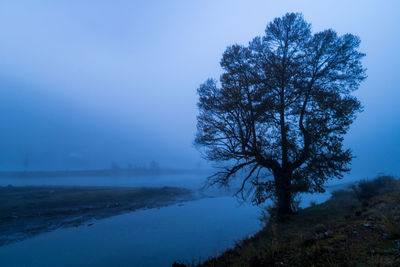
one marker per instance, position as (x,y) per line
(280,111)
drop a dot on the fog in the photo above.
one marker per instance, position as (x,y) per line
(87,83)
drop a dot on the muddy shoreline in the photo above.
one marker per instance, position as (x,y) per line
(29,211)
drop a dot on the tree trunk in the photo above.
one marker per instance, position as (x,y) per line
(284,197)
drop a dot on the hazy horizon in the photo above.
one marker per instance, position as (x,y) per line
(87,83)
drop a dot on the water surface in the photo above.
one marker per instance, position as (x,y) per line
(154,237)
(193,231)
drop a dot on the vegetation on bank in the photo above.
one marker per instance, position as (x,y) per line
(357,227)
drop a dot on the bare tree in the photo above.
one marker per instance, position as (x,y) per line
(280,111)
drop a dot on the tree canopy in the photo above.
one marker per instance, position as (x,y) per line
(280,110)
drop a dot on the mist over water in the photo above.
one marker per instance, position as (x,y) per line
(85,84)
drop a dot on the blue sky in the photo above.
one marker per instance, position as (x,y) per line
(85,83)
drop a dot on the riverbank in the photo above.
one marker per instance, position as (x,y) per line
(115,172)
(28,211)
(360,227)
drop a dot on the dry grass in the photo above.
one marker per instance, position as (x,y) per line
(343,231)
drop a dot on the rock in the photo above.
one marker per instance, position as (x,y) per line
(328,233)
(323,235)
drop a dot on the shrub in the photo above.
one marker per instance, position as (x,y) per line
(266,213)
(339,194)
(344,198)
(270,211)
(364,189)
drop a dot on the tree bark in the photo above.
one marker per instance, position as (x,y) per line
(284,196)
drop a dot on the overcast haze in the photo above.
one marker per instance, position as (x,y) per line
(85,83)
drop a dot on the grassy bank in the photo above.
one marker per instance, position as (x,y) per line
(28,211)
(360,227)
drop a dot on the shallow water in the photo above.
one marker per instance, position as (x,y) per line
(156,237)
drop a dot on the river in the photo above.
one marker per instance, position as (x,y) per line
(189,232)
